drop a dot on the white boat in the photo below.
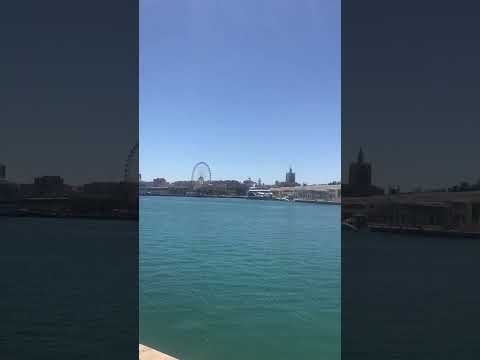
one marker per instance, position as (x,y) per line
(346,226)
(358,222)
(259,194)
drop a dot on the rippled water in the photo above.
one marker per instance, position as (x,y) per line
(409,297)
(239,279)
(68,289)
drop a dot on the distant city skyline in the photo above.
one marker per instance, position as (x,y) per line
(251,88)
(285,179)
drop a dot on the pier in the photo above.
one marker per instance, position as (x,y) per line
(146,353)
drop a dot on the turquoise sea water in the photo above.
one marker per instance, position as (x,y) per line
(239,279)
(68,289)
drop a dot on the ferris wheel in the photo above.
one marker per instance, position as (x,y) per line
(131,172)
(201,174)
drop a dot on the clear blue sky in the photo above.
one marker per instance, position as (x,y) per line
(248,86)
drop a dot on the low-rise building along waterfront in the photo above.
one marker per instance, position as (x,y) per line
(459,211)
(309,192)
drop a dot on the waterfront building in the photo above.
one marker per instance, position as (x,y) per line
(8,191)
(360,173)
(318,192)
(290,178)
(49,186)
(160,182)
(308,192)
(249,183)
(3,172)
(360,179)
(428,210)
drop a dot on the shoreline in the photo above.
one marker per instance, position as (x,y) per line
(423,232)
(245,197)
(78,217)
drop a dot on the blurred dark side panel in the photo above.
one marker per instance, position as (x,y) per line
(69,179)
(410,179)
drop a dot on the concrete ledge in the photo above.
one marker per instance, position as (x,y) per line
(146,353)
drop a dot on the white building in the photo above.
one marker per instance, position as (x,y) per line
(309,192)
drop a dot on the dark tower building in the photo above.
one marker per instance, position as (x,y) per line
(290,178)
(3,172)
(360,172)
(360,179)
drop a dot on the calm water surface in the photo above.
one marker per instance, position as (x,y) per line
(409,297)
(68,289)
(239,279)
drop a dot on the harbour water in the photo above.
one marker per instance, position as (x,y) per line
(233,279)
(239,279)
(68,289)
(409,296)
